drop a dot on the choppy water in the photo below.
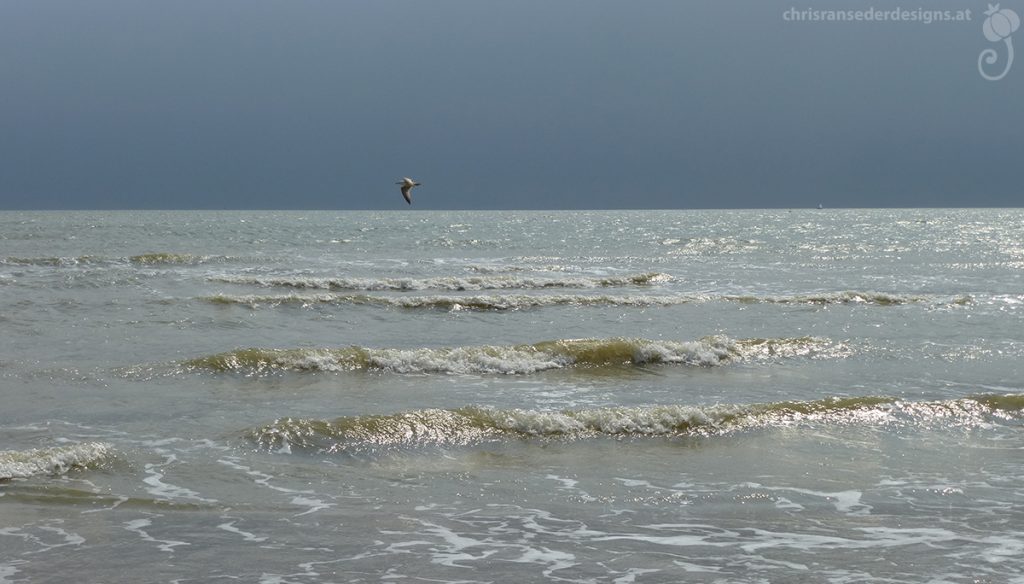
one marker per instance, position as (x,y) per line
(720,397)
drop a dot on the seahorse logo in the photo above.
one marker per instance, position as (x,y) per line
(1000,24)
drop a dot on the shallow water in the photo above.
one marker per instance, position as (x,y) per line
(650,396)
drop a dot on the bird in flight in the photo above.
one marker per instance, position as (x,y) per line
(407,185)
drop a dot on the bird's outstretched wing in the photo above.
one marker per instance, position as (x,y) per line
(407,194)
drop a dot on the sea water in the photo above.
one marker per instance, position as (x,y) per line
(617,396)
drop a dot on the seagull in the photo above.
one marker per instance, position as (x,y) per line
(407,185)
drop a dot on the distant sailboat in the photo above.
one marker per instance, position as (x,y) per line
(407,185)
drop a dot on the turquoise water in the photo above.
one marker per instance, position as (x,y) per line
(648,396)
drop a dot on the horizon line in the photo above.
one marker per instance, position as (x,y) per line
(420,210)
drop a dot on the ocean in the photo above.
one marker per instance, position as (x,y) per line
(746,396)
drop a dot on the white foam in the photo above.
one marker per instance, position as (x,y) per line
(164,545)
(848,502)
(455,550)
(568,484)
(691,567)
(167,491)
(805,542)
(298,497)
(895,536)
(784,503)
(247,536)
(313,505)
(554,559)
(8,571)
(70,539)
(682,540)
(261,478)
(1002,548)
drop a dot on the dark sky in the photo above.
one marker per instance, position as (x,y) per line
(310,104)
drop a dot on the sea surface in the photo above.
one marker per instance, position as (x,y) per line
(808,396)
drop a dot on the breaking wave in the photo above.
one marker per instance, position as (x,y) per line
(519,359)
(172,258)
(453,302)
(454,283)
(850,297)
(527,301)
(146,259)
(50,261)
(18,464)
(470,425)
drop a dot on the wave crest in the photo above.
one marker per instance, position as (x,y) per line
(49,261)
(453,283)
(469,425)
(528,301)
(849,297)
(145,259)
(519,359)
(479,302)
(158,258)
(16,464)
